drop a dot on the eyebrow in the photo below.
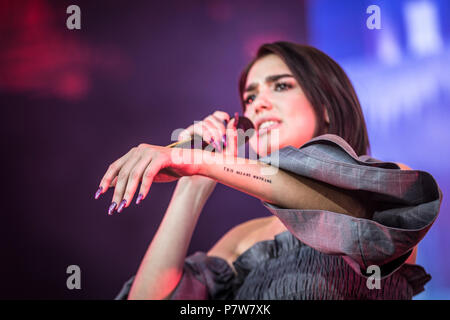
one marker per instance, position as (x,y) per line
(269,79)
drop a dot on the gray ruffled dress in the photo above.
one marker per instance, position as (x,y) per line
(324,254)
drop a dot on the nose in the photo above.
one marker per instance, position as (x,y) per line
(261,104)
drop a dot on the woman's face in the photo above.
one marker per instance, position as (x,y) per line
(277,106)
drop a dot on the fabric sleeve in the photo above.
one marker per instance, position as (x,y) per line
(204,277)
(405,202)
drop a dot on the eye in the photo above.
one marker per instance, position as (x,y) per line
(282,86)
(250,99)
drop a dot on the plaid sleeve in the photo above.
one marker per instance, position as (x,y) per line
(407,203)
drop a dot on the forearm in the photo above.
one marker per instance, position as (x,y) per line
(162,266)
(279,187)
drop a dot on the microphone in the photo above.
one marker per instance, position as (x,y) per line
(197,142)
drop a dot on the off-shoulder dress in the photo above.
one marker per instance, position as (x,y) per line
(324,254)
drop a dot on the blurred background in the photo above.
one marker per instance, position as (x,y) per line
(73,101)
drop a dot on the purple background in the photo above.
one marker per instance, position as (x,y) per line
(75,101)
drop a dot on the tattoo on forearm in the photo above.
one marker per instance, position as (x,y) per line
(246,174)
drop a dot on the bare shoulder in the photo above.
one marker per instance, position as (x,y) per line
(233,237)
(403,166)
(226,247)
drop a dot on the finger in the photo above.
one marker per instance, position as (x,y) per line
(121,183)
(149,174)
(113,183)
(219,122)
(100,189)
(186,133)
(222,116)
(216,129)
(231,138)
(111,173)
(204,130)
(134,178)
(216,124)
(189,132)
(196,128)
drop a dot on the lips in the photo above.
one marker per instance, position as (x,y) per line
(264,125)
(262,131)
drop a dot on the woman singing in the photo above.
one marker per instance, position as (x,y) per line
(339,215)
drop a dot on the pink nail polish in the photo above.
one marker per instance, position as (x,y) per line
(111,208)
(214,143)
(98,193)
(122,204)
(139,198)
(218,147)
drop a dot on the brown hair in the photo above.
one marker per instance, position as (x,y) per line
(326,86)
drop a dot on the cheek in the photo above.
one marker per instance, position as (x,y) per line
(301,124)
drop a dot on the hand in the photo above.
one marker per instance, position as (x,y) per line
(146,163)
(217,130)
(212,130)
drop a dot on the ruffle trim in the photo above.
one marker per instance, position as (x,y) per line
(283,243)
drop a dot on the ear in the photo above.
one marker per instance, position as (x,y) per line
(327,118)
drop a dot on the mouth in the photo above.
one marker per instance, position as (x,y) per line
(267,125)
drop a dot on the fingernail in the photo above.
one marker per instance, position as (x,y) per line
(217,146)
(213,142)
(224,140)
(139,198)
(98,193)
(111,208)
(121,205)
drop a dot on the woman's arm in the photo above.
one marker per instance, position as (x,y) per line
(276,186)
(253,177)
(162,266)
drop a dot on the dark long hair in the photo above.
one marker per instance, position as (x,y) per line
(326,86)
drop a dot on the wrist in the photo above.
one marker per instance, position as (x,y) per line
(201,160)
(197,182)
(195,186)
